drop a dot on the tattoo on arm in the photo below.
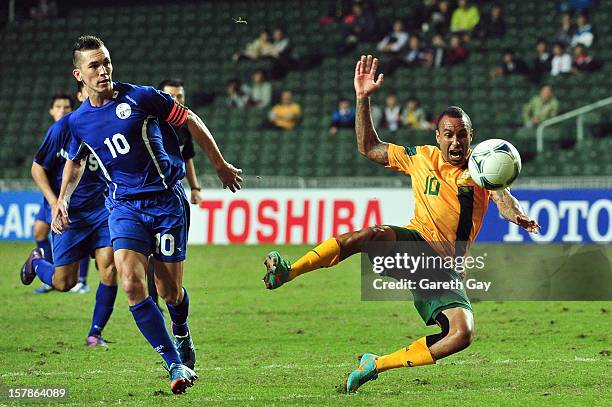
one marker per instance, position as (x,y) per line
(367,139)
(508,206)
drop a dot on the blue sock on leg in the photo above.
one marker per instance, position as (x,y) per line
(105,300)
(151,324)
(83,268)
(44,270)
(46,246)
(178,314)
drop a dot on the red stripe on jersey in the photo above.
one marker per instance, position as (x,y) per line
(172,114)
(183,116)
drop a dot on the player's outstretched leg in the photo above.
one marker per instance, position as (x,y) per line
(457,326)
(169,281)
(105,297)
(131,266)
(327,254)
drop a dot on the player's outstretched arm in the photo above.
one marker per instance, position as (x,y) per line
(368,142)
(510,208)
(39,174)
(73,171)
(227,173)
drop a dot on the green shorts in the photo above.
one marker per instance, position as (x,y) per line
(429,305)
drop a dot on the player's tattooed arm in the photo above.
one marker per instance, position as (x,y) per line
(227,173)
(368,142)
(510,208)
(73,171)
(367,139)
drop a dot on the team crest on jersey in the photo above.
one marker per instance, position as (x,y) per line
(123,110)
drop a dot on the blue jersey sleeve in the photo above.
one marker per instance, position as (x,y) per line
(162,105)
(77,150)
(48,155)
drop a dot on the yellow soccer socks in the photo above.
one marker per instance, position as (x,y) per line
(417,354)
(326,254)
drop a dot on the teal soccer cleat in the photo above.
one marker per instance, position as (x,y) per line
(181,377)
(277,270)
(186,349)
(363,374)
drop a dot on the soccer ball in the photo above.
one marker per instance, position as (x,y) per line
(494,164)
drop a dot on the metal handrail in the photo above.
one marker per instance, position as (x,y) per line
(568,115)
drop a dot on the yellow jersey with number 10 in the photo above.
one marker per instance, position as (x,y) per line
(448,206)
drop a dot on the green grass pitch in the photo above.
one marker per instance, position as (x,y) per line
(293,346)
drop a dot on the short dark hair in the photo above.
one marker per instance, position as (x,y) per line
(175,83)
(61,96)
(507,51)
(456,112)
(85,43)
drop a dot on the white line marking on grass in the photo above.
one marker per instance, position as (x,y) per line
(449,362)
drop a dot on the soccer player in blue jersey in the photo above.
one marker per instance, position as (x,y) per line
(61,104)
(88,231)
(128,128)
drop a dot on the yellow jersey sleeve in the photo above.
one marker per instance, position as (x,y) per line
(402,159)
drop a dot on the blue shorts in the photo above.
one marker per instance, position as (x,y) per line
(78,242)
(44,213)
(155,225)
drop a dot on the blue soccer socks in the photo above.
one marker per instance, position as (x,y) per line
(105,300)
(151,323)
(178,314)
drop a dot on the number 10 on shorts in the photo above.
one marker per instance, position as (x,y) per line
(164,244)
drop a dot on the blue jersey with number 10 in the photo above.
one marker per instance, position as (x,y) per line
(138,153)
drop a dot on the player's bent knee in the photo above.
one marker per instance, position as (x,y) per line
(41,231)
(463,337)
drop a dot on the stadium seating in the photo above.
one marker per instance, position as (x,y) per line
(195,41)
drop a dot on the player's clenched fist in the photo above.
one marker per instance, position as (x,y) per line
(230,176)
(365,75)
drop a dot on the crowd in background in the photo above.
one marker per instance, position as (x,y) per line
(436,33)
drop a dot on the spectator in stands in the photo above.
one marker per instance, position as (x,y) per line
(434,55)
(561,61)
(394,41)
(457,52)
(258,49)
(359,26)
(541,63)
(566,32)
(237,94)
(510,65)
(286,114)
(343,117)
(541,107)
(44,10)
(414,116)
(392,113)
(337,10)
(280,54)
(413,56)
(582,62)
(440,17)
(260,93)
(584,33)
(492,25)
(464,19)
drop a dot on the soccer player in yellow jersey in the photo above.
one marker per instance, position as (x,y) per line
(448,212)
